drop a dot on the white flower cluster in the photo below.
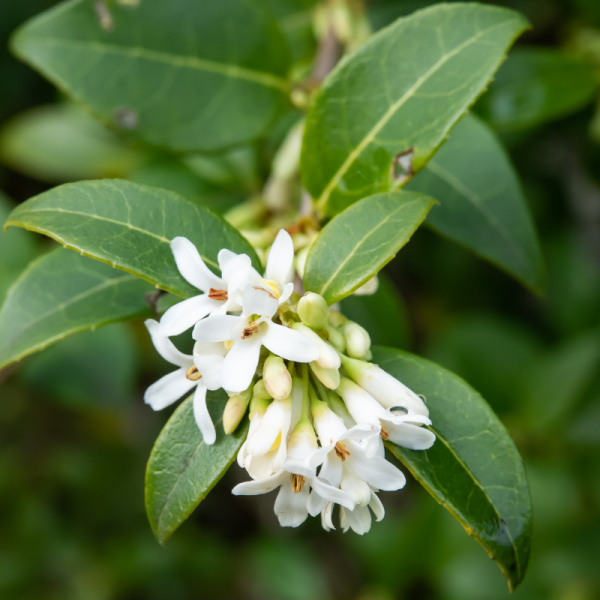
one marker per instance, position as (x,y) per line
(317,423)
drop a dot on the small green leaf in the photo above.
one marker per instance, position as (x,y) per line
(537,85)
(61,293)
(482,205)
(182,469)
(182,74)
(130,226)
(59,143)
(357,243)
(398,96)
(382,314)
(473,469)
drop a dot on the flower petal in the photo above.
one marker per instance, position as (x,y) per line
(288,290)
(281,257)
(186,314)
(240,364)
(411,436)
(203,420)
(220,328)
(224,257)
(192,267)
(326,521)
(164,346)
(259,300)
(210,367)
(331,472)
(168,389)
(316,504)
(275,422)
(378,472)
(332,494)
(290,344)
(291,509)
(239,272)
(262,486)
(377,507)
(359,519)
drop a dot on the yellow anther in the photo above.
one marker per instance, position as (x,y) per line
(272,285)
(297,482)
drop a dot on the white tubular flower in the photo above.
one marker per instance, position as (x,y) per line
(220,293)
(359,519)
(330,378)
(202,371)
(387,390)
(328,357)
(398,428)
(266,447)
(296,480)
(258,409)
(348,465)
(248,333)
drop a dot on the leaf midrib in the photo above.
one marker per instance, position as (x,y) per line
(322,200)
(175,60)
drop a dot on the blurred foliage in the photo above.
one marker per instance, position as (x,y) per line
(75,434)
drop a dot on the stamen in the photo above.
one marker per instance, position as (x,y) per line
(250,330)
(297,482)
(384,433)
(341,451)
(193,374)
(217,294)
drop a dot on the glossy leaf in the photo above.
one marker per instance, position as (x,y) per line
(382,314)
(59,143)
(130,226)
(182,469)
(473,469)
(181,74)
(536,85)
(400,93)
(61,293)
(481,203)
(356,244)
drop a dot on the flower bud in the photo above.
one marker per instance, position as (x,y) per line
(358,341)
(369,288)
(235,409)
(277,379)
(336,339)
(336,318)
(328,357)
(330,378)
(259,392)
(387,390)
(339,408)
(313,310)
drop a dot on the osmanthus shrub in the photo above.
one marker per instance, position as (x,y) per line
(369,149)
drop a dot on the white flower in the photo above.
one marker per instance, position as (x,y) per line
(249,333)
(265,449)
(348,465)
(387,390)
(279,271)
(296,480)
(220,293)
(359,519)
(398,428)
(202,371)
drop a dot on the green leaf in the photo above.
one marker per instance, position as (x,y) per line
(482,205)
(130,226)
(182,74)
(61,293)
(356,244)
(382,314)
(537,85)
(398,94)
(182,469)
(59,143)
(473,469)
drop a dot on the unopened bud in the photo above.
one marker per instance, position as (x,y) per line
(328,357)
(369,288)
(313,310)
(336,339)
(235,409)
(260,391)
(336,318)
(330,378)
(358,341)
(277,378)
(387,390)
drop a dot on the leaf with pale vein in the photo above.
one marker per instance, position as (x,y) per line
(130,226)
(403,90)
(62,293)
(473,469)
